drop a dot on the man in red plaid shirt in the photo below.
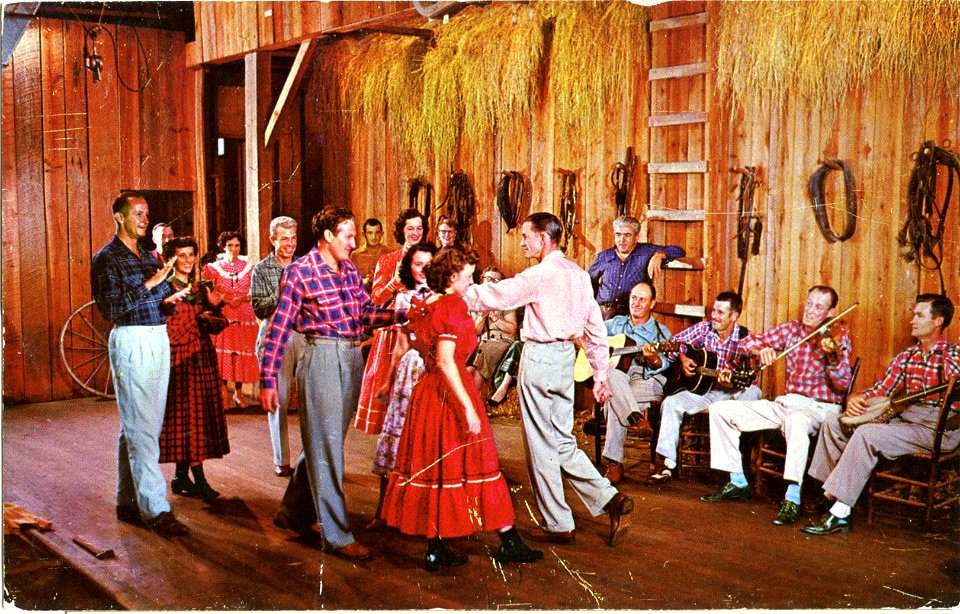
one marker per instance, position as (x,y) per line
(844,465)
(818,373)
(321,296)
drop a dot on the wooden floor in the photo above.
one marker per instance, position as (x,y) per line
(59,462)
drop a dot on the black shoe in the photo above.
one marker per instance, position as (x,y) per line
(788,514)
(184,487)
(513,550)
(130,514)
(166,525)
(201,487)
(592,427)
(827,525)
(281,520)
(729,493)
(439,555)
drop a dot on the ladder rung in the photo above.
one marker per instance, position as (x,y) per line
(673,72)
(676,309)
(676,119)
(681,21)
(676,215)
(693,166)
(686,264)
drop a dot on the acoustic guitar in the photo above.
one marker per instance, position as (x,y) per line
(706,373)
(622,348)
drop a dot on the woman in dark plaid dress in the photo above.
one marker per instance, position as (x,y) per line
(194,426)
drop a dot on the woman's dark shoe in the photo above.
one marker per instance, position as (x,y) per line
(181,484)
(201,487)
(513,550)
(439,555)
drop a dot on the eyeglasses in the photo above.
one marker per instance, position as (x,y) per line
(492,278)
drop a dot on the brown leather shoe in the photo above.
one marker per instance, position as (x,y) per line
(282,521)
(353,551)
(539,534)
(130,514)
(614,473)
(618,508)
(283,471)
(165,524)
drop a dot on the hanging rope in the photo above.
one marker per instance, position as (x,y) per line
(621,178)
(568,205)
(510,192)
(922,233)
(459,205)
(420,195)
(749,225)
(818,197)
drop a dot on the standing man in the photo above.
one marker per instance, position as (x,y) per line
(559,308)
(642,383)
(161,234)
(366,256)
(621,267)
(722,336)
(844,464)
(131,290)
(264,294)
(322,297)
(818,373)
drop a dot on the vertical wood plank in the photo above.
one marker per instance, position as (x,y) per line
(13,365)
(259,161)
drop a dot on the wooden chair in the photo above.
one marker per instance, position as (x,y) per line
(583,397)
(926,480)
(772,448)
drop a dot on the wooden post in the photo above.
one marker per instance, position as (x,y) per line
(200,216)
(259,160)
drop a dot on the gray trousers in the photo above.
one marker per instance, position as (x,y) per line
(286,383)
(545,386)
(632,393)
(845,466)
(328,387)
(685,403)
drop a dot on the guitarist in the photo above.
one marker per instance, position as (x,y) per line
(843,465)
(642,383)
(724,337)
(818,373)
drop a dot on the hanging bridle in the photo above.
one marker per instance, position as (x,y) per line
(568,205)
(419,186)
(459,205)
(749,224)
(621,178)
(510,193)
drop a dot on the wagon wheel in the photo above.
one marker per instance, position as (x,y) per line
(85,350)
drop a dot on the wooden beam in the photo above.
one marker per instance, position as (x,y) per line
(681,21)
(259,161)
(200,132)
(290,86)
(423,33)
(664,168)
(676,309)
(673,72)
(676,215)
(686,264)
(677,119)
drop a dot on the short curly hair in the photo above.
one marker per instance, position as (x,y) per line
(406,275)
(403,218)
(329,218)
(448,262)
(227,235)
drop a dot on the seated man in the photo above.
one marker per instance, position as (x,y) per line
(642,383)
(817,375)
(618,269)
(844,464)
(722,336)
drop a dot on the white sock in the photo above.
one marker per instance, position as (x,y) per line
(840,510)
(669,463)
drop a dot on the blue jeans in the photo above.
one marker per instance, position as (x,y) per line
(140,359)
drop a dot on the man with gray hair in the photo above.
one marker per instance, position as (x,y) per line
(618,269)
(264,295)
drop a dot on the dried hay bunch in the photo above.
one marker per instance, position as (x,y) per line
(821,50)
(598,48)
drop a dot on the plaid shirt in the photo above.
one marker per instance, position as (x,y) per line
(912,370)
(265,286)
(317,300)
(730,353)
(618,277)
(117,279)
(808,372)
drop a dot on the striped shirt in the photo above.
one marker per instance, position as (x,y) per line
(618,277)
(117,277)
(808,370)
(317,300)
(913,370)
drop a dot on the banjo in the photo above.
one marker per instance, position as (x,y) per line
(883,409)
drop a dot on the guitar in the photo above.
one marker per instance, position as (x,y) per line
(705,374)
(622,348)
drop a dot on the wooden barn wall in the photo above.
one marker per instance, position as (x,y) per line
(228,30)
(876,132)
(69,146)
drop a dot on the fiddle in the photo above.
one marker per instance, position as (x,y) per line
(829,338)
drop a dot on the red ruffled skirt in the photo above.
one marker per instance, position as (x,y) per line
(377,381)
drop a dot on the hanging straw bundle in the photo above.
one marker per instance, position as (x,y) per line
(821,50)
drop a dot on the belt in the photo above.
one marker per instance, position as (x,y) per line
(319,340)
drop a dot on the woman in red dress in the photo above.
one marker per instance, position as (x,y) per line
(446,481)
(194,425)
(408,229)
(236,345)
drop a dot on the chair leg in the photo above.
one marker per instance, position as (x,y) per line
(871,487)
(597,438)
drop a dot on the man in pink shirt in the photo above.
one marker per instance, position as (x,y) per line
(560,307)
